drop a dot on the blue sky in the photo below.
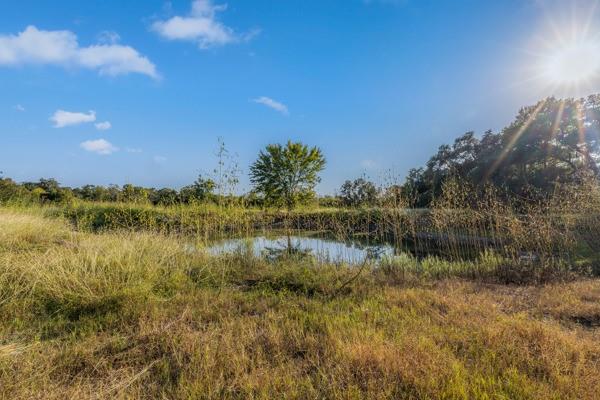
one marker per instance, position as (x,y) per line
(139,91)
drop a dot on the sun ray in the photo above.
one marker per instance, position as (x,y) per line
(581,129)
(514,139)
(585,31)
(558,119)
(555,126)
(565,55)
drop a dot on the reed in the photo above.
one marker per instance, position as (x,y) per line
(532,236)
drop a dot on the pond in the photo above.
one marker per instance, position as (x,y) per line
(322,249)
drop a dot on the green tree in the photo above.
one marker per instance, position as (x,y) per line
(287,175)
(10,190)
(359,192)
(49,190)
(555,140)
(134,194)
(201,190)
(164,197)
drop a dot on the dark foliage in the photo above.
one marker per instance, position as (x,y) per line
(554,141)
(359,192)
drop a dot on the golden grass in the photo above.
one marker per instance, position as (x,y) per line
(137,315)
(558,232)
(22,231)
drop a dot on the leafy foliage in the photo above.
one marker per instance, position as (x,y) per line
(9,190)
(134,194)
(164,197)
(287,175)
(49,190)
(359,192)
(202,189)
(554,141)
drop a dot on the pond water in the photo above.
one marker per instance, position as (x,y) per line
(324,250)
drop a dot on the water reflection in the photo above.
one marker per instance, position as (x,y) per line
(323,250)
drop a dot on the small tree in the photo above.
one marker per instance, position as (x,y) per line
(287,175)
(9,190)
(133,194)
(49,190)
(201,190)
(226,173)
(359,192)
(164,197)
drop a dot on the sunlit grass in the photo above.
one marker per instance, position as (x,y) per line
(127,314)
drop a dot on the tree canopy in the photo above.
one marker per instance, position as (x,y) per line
(359,192)
(287,175)
(556,140)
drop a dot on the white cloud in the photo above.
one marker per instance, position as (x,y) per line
(19,108)
(63,118)
(133,150)
(116,60)
(103,126)
(159,159)
(108,37)
(275,105)
(201,26)
(99,146)
(33,46)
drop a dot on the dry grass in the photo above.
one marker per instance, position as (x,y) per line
(542,237)
(137,315)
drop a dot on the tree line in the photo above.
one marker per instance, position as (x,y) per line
(556,141)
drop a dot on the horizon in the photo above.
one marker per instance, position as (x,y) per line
(140,93)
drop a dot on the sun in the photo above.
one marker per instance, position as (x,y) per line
(571,63)
(562,57)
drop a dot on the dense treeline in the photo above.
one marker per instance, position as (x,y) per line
(556,141)
(50,191)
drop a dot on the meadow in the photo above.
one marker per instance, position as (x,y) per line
(139,262)
(110,301)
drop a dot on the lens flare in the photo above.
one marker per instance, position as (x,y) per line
(572,64)
(563,58)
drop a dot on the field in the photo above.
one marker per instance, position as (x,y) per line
(213,199)
(124,313)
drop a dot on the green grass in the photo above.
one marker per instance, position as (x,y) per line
(538,233)
(136,314)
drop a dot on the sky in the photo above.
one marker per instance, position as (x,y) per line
(127,91)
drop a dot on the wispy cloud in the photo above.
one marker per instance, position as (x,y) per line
(19,108)
(201,26)
(133,150)
(368,164)
(159,159)
(103,126)
(109,37)
(39,47)
(63,118)
(99,146)
(275,105)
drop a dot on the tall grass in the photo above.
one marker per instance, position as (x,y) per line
(535,239)
(124,314)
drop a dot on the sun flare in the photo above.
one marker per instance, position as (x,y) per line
(564,53)
(572,64)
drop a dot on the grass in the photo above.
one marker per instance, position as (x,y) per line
(125,314)
(559,230)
